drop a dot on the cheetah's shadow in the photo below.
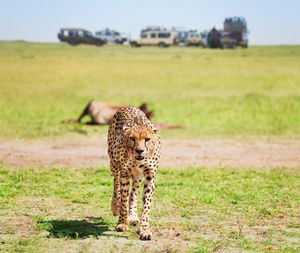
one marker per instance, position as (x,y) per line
(78,229)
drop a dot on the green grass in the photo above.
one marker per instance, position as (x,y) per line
(208,209)
(212,93)
(253,92)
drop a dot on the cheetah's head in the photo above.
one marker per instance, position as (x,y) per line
(140,141)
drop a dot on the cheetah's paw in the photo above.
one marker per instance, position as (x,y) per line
(121,227)
(145,235)
(133,220)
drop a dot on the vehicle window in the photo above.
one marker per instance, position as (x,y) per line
(144,36)
(88,34)
(164,35)
(153,35)
(116,33)
(80,33)
(65,33)
(72,34)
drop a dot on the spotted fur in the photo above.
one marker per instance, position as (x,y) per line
(134,148)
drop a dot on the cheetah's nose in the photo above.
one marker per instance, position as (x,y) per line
(139,151)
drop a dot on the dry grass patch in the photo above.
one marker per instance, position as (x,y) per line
(18,226)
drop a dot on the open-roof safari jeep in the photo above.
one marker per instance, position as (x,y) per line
(75,36)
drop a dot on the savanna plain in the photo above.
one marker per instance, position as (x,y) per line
(239,96)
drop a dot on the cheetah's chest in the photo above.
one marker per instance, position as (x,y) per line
(137,171)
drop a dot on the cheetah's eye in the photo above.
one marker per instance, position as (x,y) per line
(132,138)
(147,139)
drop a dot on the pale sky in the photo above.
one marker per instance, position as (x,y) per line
(269,21)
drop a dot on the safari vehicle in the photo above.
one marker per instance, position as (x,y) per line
(193,39)
(111,36)
(76,36)
(227,41)
(236,27)
(214,38)
(155,38)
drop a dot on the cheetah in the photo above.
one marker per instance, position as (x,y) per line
(134,148)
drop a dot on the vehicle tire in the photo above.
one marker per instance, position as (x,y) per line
(99,44)
(161,44)
(134,44)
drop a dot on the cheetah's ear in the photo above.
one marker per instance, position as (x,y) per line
(155,130)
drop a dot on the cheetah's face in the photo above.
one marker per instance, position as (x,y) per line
(140,141)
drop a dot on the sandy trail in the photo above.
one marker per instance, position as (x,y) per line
(91,152)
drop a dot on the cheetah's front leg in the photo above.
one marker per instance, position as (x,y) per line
(144,232)
(133,218)
(115,201)
(123,217)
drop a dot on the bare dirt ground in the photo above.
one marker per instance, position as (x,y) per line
(92,152)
